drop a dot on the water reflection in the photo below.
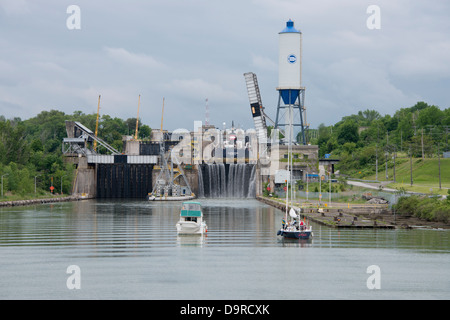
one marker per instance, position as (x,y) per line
(296,243)
(191,240)
(130,249)
(134,227)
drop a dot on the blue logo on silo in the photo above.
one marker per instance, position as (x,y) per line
(292,58)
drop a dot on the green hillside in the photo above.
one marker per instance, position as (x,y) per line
(425,174)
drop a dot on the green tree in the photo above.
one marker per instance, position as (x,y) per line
(431,115)
(145,132)
(13,146)
(348,132)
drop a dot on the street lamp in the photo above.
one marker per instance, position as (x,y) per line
(62,180)
(320,189)
(307,190)
(35,183)
(329,193)
(6,174)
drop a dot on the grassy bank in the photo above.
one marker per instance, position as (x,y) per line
(425,175)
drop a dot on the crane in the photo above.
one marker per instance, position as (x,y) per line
(96,123)
(137,119)
(259,116)
(162,115)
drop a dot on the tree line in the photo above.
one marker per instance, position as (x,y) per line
(31,158)
(31,150)
(360,140)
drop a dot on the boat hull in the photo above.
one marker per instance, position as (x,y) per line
(189,227)
(170,198)
(295,234)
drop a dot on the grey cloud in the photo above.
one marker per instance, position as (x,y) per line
(187,51)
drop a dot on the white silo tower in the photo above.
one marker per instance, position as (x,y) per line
(289,60)
(291,93)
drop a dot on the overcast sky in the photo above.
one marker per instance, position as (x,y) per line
(187,51)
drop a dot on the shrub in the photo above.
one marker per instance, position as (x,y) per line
(431,209)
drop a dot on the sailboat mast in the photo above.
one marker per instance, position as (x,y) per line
(290,147)
(96,122)
(287,192)
(137,119)
(162,116)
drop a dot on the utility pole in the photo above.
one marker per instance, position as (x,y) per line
(438,152)
(387,153)
(395,153)
(376,154)
(439,164)
(376,165)
(410,164)
(401,141)
(423,156)
(446,136)
(387,177)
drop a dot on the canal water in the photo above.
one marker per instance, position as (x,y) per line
(130,250)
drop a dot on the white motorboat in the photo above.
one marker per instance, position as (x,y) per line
(191,219)
(169,198)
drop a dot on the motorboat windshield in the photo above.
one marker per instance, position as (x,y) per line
(191,209)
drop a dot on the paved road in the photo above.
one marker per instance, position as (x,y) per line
(372,185)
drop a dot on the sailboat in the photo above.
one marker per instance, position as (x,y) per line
(294,228)
(291,226)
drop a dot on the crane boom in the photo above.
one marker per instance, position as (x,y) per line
(259,117)
(137,119)
(96,122)
(162,116)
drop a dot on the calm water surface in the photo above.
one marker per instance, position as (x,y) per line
(130,250)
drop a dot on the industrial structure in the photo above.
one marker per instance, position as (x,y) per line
(291,97)
(108,174)
(290,119)
(256,106)
(233,167)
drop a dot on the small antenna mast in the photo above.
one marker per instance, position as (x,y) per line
(137,119)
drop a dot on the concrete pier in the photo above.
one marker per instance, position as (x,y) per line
(369,217)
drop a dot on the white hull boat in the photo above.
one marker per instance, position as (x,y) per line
(190,227)
(191,219)
(169,198)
